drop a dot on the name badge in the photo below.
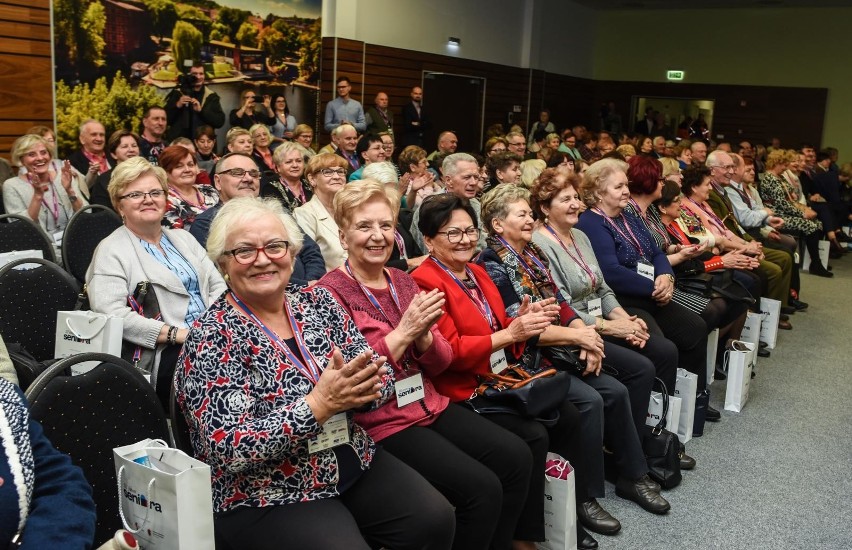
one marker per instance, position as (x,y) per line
(499,361)
(595,307)
(334,432)
(645,270)
(57,237)
(409,390)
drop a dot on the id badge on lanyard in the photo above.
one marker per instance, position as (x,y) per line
(595,307)
(334,432)
(645,270)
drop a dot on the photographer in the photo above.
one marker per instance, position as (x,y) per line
(192,105)
(252,111)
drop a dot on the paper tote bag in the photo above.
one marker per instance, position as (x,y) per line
(686,389)
(560,506)
(739,375)
(165,497)
(751,329)
(87,331)
(655,409)
(771,311)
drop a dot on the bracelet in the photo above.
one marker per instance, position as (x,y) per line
(72,198)
(670,276)
(171,336)
(599,327)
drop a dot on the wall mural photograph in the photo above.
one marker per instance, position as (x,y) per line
(115,58)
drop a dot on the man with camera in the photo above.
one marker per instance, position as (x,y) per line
(192,105)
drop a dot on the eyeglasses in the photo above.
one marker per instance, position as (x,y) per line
(139,195)
(246,255)
(455,235)
(331,172)
(240,172)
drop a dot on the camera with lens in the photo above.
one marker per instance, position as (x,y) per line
(186,83)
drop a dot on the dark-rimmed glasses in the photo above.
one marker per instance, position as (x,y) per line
(240,172)
(454,235)
(139,195)
(247,255)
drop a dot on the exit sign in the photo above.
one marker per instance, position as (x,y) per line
(674,75)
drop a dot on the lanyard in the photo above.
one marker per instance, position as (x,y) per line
(523,262)
(400,244)
(198,197)
(371,297)
(480,302)
(632,238)
(308,367)
(54,207)
(650,223)
(579,260)
(712,215)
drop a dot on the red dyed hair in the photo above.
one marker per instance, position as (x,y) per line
(643,174)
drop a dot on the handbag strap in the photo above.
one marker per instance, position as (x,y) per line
(121,501)
(658,429)
(92,321)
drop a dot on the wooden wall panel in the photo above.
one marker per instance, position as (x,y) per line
(26,99)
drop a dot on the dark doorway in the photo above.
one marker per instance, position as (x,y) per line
(455,103)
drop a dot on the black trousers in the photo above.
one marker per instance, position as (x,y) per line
(661,352)
(564,439)
(686,329)
(612,410)
(482,469)
(390,505)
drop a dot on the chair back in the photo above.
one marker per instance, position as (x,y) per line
(31,298)
(87,415)
(85,230)
(21,233)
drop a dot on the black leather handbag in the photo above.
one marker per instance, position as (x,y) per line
(563,358)
(517,391)
(144,302)
(661,449)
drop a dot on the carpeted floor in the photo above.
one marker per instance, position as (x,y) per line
(777,475)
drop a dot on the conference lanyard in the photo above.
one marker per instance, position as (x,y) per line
(523,262)
(371,297)
(308,367)
(632,238)
(712,215)
(479,301)
(580,260)
(54,207)
(400,244)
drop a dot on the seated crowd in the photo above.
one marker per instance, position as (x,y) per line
(327,317)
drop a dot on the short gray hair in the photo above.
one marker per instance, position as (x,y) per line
(450,166)
(339,130)
(286,147)
(242,209)
(382,172)
(495,203)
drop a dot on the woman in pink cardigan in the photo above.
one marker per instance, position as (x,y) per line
(481,468)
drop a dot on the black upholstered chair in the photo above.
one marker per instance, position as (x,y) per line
(87,415)
(21,233)
(30,299)
(85,230)
(180,429)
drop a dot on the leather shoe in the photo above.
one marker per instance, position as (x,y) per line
(585,540)
(798,304)
(788,310)
(763,352)
(686,461)
(763,345)
(817,269)
(785,325)
(642,493)
(712,415)
(594,518)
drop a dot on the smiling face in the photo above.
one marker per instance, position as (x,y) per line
(512,173)
(229,186)
(37,160)
(263,279)
(305,139)
(368,237)
(93,137)
(241,144)
(374,153)
(517,226)
(326,186)
(184,173)
(127,148)
(454,255)
(464,182)
(142,214)
(564,208)
(615,194)
(347,139)
(700,193)
(291,167)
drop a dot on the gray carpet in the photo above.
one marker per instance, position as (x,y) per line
(777,475)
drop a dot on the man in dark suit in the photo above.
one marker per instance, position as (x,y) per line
(646,126)
(414,122)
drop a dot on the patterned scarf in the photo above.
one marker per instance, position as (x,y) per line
(534,283)
(15,438)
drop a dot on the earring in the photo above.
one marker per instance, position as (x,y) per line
(227,278)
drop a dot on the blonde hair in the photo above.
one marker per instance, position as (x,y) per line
(358,193)
(530,170)
(594,180)
(23,144)
(129,171)
(248,209)
(670,166)
(236,132)
(776,157)
(495,203)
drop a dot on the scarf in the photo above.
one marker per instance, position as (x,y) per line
(14,436)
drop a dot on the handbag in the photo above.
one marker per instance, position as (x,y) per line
(563,358)
(716,284)
(164,496)
(144,302)
(517,391)
(661,449)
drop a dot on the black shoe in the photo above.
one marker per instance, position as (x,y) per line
(762,345)
(713,415)
(686,461)
(817,269)
(585,540)
(798,304)
(763,352)
(784,317)
(642,493)
(594,518)
(788,310)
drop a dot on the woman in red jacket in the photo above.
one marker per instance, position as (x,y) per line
(482,336)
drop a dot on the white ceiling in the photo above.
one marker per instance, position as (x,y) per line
(711,4)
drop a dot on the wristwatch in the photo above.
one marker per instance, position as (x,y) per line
(72,198)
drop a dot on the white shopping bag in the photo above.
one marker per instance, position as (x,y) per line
(771,311)
(165,497)
(655,409)
(751,329)
(686,389)
(712,346)
(740,363)
(560,505)
(9,257)
(824,248)
(87,331)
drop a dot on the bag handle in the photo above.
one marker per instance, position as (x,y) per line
(92,319)
(121,501)
(658,429)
